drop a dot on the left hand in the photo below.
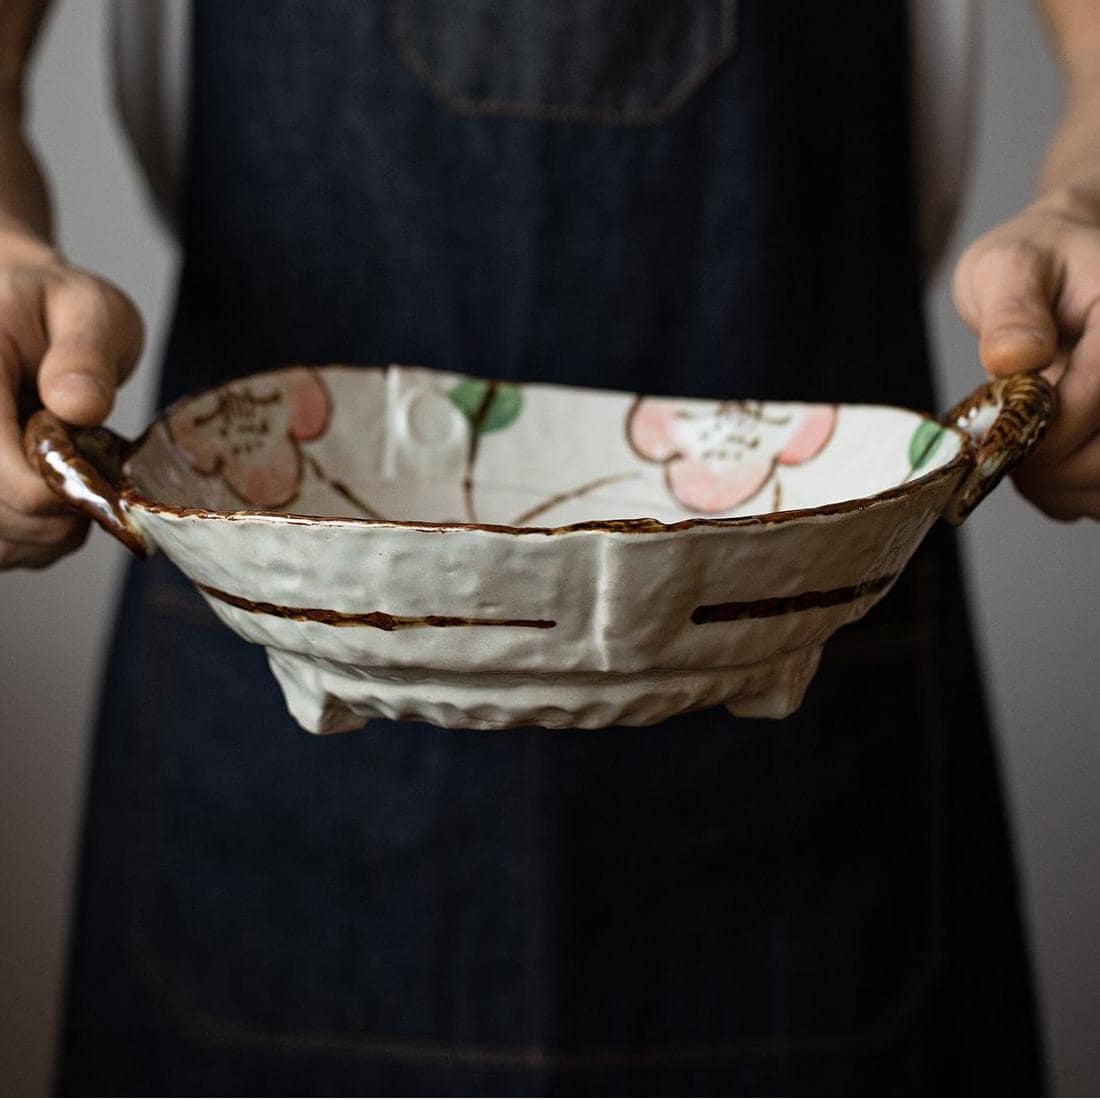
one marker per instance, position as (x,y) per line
(1030,290)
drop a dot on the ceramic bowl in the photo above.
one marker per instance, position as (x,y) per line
(421,545)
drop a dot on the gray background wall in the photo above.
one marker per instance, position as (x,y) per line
(1037,600)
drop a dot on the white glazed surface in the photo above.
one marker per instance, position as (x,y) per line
(399,440)
(589,627)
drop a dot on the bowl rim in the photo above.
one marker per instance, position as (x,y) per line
(133,497)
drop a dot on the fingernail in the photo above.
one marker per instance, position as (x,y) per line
(1008,350)
(84,386)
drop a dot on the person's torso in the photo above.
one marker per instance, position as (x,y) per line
(707,199)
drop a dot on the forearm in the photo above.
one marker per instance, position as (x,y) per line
(24,198)
(1071,169)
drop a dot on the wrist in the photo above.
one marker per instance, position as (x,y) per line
(1076,197)
(1070,179)
(21,246)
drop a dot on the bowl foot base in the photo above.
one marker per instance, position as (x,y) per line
(327,697)
(783,695)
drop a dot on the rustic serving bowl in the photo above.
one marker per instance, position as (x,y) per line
(413,544)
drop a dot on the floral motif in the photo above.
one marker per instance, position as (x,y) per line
(488,405)
(249,434)
(923,444)
(716,460)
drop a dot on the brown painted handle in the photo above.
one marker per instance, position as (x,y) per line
(83,467)
(1005,418)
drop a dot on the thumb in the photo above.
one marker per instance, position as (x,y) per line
(1005,293)
(94,338)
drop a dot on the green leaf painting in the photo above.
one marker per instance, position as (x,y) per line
(923,444)
(487,411)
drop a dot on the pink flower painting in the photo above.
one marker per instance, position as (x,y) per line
(716,460)
(249,434)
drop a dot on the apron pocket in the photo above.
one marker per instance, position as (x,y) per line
(624,62)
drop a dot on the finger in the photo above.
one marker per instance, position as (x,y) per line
(1079,472)
(1005,292)
(1068,506)
(19,555)
(95,337)
(21,488)
(1077,418)
(1064,490)
(39,530)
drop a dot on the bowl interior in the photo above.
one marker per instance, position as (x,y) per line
(406,443)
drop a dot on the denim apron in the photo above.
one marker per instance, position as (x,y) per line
(702,198)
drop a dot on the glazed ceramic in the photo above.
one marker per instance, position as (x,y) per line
(420,545)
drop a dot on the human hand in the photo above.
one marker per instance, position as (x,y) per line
(1030,289)
(67,340)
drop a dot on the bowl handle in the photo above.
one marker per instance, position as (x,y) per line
(83,466)
(1005,418)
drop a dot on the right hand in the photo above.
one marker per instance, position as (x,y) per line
(67,340)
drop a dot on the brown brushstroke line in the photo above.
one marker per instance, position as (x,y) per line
(381,620)
(570,494)
(781,605)
(342,489)
(471,453)
(232,398)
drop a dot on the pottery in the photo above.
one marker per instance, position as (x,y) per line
(414,544)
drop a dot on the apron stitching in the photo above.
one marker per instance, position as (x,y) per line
(420,67)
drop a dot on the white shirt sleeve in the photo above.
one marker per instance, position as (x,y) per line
(944,54)
(150,43)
